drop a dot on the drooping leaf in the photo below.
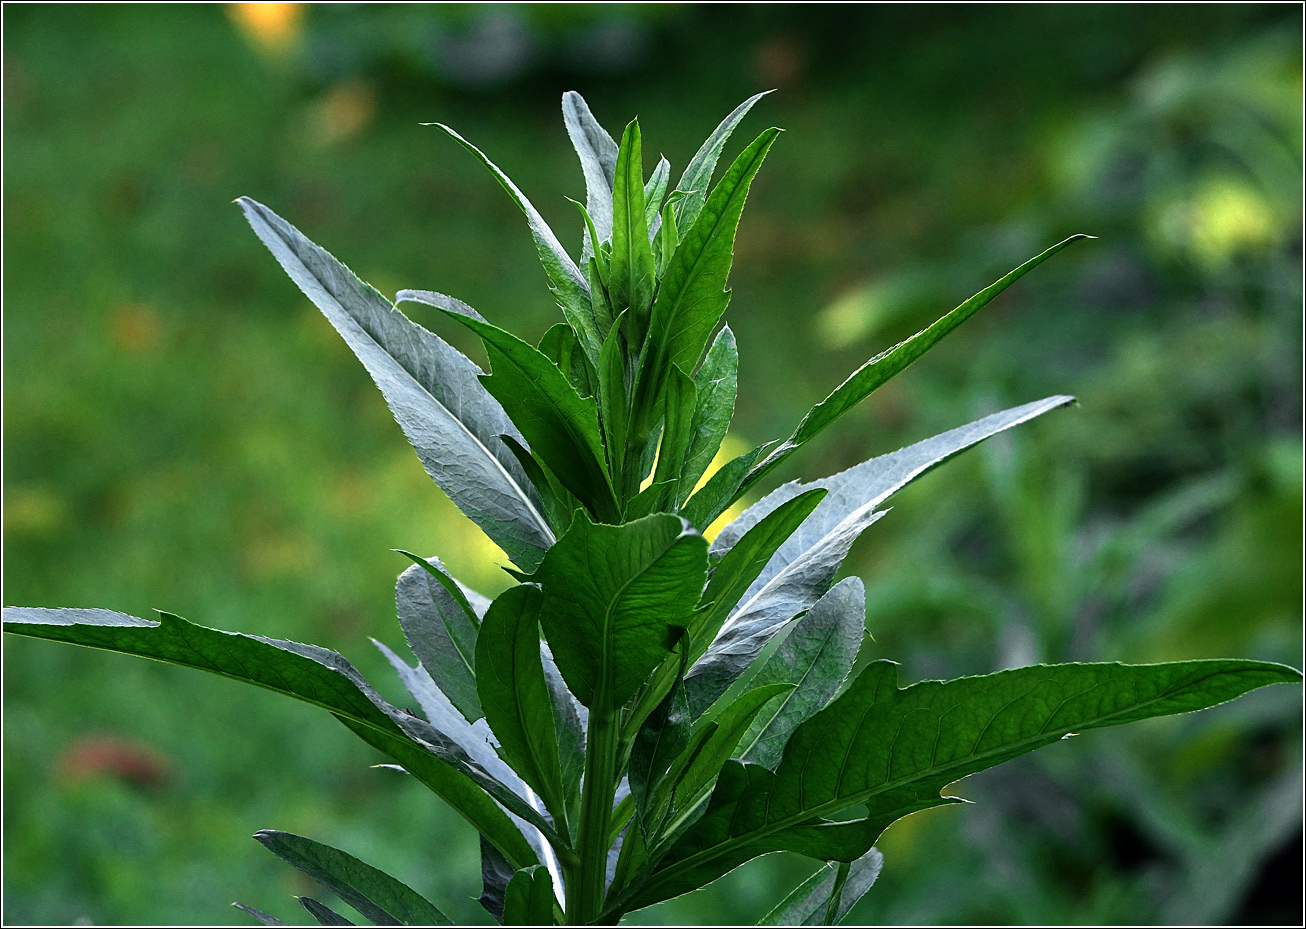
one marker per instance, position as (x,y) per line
(561,426)
(676,436)
(816,657)
(510,680)
(324,915)
(806,904)
(715,385)
(614,598)
(432,390)
(692,295)
(698,173)
(441,631)
(496,872)
(566,281)
(654,191)
(803,568)
(631,280)
(868,378)
(258,914)
(598,160)
(896,749)
(721,489)
(529,898)
(744,561)
(375,894)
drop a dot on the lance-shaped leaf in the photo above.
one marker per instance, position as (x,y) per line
(264,918)
(441,631)
(314,675)
(896,749)
(657,745)
(560,345)
(324,915)
(676,435)
(613,398)
(868,378)
(496,872)
(698,173)
(529,898)
(378,896)
(715,496)
(561,426)
(807,904)
(598,161)
(615,598)
(715,386)
(654,191)
(566,281)
(557,501)
(510,680)
(692,295)
(432,390)
(630,280)
(803,568)
(816,656)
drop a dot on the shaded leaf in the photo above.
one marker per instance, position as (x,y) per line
(721,489)
(324,915)
(614,598)
(806,904)
(496,872)
(868,378)
(660,740)
(262,917)
(529,899)
(654,191)
(441,630)
(375,894)
(676,435)
(557,501)
(432,390)
(560,345)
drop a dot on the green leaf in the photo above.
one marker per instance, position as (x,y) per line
(375,894)
(262,917)
(615,597)
(561,346)
(692,295)
(566,282)
(803,568)
(510,680)
(529,898)
(721,489)
(631,280)
(896,749)
(654,191)
(561,426)
(816,656)
(715,386)
(698,173)
(431,389)
(742,564)
(598,161)
(441,629)
(661,739)
(613,400)
(305,672)
(868,378)
(496,872)
(664,245)
(557,501)
(324,915)
(676,435)
(807,903)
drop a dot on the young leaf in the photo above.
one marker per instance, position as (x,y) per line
(666,240)
(561,346)
(895,749)
(510,680)
(698,173)
(529,899)
(598,161)
(661,739)
(715,497)
(561,426)
(816,656)
(375,894)
(807,903)
(676,435)
(803,567)
(631,280)
(614,598)
(557,501)
(324,915)
(745,560)
(431,389)
(868,378)
(613,400)
(654,191)
(566,282)
(715,385)
(441,631)
(692,295)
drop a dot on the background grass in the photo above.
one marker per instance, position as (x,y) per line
(183,430)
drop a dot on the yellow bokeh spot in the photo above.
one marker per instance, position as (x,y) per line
(272,27)
(731,447)
(1224,218)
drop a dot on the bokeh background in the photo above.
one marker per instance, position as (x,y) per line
(183,430)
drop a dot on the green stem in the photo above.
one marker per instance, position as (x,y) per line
(836,894)
(586,887)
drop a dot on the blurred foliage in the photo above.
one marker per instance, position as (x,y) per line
(183,430)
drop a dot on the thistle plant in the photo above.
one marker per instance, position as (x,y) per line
(643,711)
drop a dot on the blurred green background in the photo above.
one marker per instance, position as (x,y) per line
(182,429)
